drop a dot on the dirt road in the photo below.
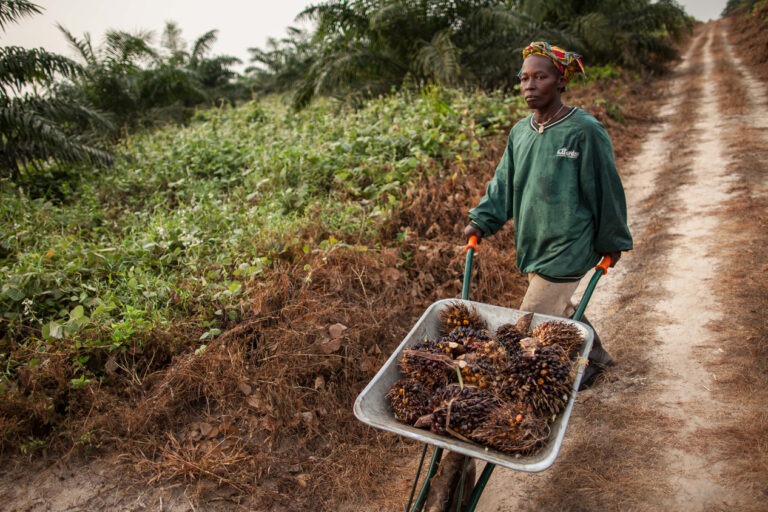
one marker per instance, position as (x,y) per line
(666,431)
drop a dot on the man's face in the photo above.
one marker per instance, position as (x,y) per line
(540,82)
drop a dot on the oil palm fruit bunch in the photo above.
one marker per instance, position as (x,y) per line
(425,363)
(509,337)
(457,410)
(483,367)
(410,400)
(468,337)
(512,429)
(458,314)
(538,377)
(564,334)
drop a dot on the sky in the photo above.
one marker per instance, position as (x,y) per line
(242,24)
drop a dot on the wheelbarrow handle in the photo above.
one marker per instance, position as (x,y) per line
(600,270)
(470,249)
(471,244)
(605,263)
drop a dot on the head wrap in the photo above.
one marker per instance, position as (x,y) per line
(568,63)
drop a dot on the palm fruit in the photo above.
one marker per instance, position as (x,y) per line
(410,400)
(564,334)
(538,377)
(458,314)
(482,367)
(457,410)
(509,337)
(467,336)
(511,429)
(422,363)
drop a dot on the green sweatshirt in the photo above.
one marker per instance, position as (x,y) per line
(564,194)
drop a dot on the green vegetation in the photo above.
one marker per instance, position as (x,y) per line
(54,110)
(363,48)
(36,126)
(749,5)
(138,84)
(189,216)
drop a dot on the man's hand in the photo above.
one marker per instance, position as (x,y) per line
(615,257)
(471,230)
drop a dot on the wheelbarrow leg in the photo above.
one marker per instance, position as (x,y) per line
(425,488)
(480,486)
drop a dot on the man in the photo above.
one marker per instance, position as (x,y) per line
(557,179)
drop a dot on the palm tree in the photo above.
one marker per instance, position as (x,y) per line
(35,125)
(638,34)
(140,85)
(362,48)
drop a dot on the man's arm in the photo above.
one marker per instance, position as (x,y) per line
(495,208)
(604,192)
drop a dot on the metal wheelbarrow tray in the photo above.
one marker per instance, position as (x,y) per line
(373,408)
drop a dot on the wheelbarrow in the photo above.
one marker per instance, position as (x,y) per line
(371,406)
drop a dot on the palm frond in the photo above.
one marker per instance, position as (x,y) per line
(203,45)
(126,49)
(440,59)
(82,46)
(13,10)
(22,66)
(30,133)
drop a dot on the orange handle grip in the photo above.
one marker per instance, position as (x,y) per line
(471,243)
(604,263)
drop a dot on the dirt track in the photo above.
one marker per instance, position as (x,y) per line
(662,432)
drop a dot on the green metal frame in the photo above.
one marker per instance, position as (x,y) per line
(437,455)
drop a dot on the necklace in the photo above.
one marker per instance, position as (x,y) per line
(541,125)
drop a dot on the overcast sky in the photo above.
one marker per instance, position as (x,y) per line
(241,23)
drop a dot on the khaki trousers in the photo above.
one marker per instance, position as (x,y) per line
(549,298)
(555,299)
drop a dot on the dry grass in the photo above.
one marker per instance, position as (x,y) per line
(748,31)
(744,281)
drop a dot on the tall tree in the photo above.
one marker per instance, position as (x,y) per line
(35,125)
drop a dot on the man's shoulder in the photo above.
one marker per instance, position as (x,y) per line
(586,119)
(588,124)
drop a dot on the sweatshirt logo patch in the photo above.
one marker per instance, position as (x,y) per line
(568,154)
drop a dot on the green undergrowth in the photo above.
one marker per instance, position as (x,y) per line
(190,216)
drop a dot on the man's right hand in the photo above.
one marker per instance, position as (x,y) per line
(471,230)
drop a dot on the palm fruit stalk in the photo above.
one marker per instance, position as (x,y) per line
(410,400)
(457,411)
(538,377)
(523,323)
(511,429)
(563,334)
(458,314)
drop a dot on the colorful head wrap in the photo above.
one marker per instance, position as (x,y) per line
(568,63)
